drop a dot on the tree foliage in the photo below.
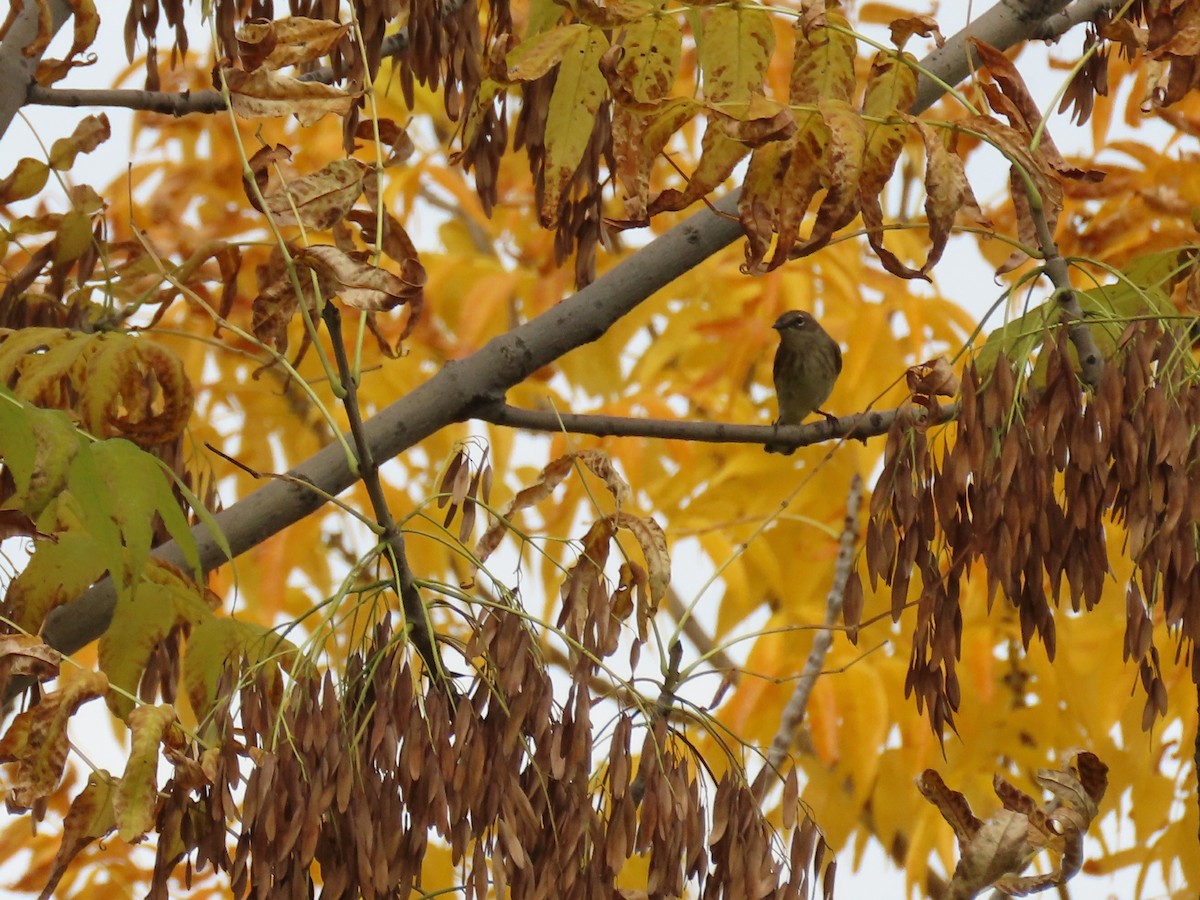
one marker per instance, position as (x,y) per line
(396,442)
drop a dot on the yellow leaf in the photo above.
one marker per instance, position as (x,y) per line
(88,135)
(734,49)
(571,118)
(535,56)
(652,47)
(74,237)
(823,60)
(24,181)
(135,799)
(162,600)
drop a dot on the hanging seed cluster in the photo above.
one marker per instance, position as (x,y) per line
(346,787)
(1031,488)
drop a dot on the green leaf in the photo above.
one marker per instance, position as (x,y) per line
(90,485)
(161,600)
(142,490)
(56,572)
(1142,292)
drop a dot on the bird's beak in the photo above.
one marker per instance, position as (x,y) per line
(776,327)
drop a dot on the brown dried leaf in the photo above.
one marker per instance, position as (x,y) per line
(358,283)
(653,541)
(90,818)
(947,192)
(390,135)
(287,42)
(25,656)
(548,479)
(320,200)
(951,804)
(37,738)
(262,94)
(844,158)
(600,464)
(905,27)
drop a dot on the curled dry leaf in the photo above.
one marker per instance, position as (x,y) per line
(905,27)
(317,201)
(359,284)
(994,851)
(287,42)
(263,95)
(597,461)
(932,379)
(25,656)
(15,523)
(37,739)
(390,135)
(653,542)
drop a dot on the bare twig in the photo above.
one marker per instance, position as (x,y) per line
(793,714)
(415,614)
(1091,361)
(181,103)
(858,425)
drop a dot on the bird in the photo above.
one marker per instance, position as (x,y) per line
(807,364)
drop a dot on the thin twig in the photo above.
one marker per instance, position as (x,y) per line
(695,632)
(181,103)
(857,425)
(415,614)
(793,714)
(662,708)
(1091,361)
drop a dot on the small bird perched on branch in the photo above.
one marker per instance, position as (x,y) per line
(807,364)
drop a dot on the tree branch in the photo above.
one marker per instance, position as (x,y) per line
(1091,361)
(482,378)
(416,616)
(1007,23)
(857,425)
(793,714)
(16,69)
(182,103)
(1077,13)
